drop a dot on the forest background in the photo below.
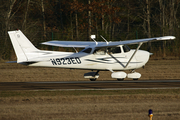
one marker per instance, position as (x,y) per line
(45,20)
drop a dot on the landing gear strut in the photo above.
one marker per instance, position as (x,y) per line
(92,75)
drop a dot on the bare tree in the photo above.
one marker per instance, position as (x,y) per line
(75,9)
(25,16)
(110,20)
(44,22)
(76,25)
(71,26)
(171,18)
(102,17)
(6,12)
(148,22)
(89,20)
(168,20)
(162,21)
(145,15)
(8,16)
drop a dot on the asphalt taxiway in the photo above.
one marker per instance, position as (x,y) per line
(91,85)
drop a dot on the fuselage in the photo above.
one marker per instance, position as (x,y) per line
(104,60)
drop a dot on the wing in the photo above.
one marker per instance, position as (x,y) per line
(138,41)
(82,44)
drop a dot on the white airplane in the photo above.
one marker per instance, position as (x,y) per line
(100,56)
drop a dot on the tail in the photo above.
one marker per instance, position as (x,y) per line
(24,49)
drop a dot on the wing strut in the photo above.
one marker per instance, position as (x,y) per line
(104,39)
(134,54)
(75,50)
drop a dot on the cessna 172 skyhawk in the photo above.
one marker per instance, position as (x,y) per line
(100,56)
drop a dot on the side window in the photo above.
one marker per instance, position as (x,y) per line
(114,50)
(101,51)
(88,50)
(126,48)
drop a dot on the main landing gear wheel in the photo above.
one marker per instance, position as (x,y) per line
(93,79)
(120,79)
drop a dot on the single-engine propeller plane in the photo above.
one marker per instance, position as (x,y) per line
(98,56)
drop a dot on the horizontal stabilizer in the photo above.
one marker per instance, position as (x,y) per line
(11,62)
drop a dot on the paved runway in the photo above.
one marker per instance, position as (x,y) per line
(91,85)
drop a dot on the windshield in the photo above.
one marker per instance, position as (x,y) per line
(126,48)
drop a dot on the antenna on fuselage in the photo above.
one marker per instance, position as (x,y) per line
(93,38)
(104,39)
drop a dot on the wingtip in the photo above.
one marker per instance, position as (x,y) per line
(167,38)
(173,37)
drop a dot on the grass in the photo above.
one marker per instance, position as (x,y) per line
(154,69)
(90,104)
(99,105)
(87,92)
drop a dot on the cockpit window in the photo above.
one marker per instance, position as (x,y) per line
(114,50)
(88,50)
(126,48)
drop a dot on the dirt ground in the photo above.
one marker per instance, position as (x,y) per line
(91,107)
(154,69)
(117,105)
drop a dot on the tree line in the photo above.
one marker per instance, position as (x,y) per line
(44,20)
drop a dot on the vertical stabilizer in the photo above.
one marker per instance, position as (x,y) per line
(24,49)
